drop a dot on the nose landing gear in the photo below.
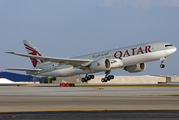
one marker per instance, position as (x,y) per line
(162,66)
(162,61)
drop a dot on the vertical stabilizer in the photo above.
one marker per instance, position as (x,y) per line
(32,50)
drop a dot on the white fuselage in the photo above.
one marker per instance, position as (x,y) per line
(129,56)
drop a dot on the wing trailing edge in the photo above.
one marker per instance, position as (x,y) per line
(25,69)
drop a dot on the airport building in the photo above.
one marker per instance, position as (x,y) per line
(118,80)
(8,77)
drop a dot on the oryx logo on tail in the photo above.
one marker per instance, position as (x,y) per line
(32,50)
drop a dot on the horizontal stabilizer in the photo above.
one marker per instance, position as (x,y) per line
(25,69)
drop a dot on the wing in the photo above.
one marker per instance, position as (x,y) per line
(74,62)
(25,69)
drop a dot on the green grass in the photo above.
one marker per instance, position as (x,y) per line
(160,85)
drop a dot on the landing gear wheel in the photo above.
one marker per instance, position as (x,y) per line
(87,78)
(82,79)
(162,66)
(111,76)
(108,78)
(162,61)
(102,80)
(92,76)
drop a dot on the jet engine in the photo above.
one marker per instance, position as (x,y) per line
(100,65)
(135,68)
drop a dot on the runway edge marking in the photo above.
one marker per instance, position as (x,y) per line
(86,110)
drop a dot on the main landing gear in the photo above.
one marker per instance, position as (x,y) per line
(162,61)
(107,77)
(87,77)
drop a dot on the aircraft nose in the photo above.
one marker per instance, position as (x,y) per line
(174,49)
(171,50)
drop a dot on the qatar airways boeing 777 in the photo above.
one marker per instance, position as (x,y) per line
(131,59)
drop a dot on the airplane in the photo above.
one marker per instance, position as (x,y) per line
(132,59)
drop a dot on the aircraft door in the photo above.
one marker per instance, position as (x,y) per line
(50,68)
(153,48)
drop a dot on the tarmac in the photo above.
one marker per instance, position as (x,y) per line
(57,99)
(93,115)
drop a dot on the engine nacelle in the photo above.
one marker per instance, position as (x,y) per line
(116,63)
(135,68)
(100,65)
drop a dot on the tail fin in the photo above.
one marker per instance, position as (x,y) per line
(32,50)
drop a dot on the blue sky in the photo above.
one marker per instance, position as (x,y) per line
(67,28)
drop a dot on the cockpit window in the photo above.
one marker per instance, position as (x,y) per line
(168,45)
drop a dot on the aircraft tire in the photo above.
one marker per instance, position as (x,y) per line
(102,80)
(89,77)
(162,66)
(92,76)
(82,79)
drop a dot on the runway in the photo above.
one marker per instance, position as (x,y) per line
(93,115)
(34,99)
